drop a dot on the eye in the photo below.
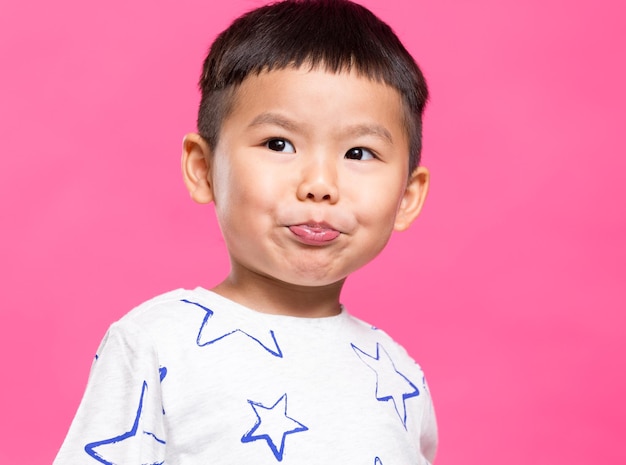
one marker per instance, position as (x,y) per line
(280,145)
(359,153)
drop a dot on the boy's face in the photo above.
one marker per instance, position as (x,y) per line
(309,176)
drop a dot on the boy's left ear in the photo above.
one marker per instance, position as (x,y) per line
(196,168)
(413,199)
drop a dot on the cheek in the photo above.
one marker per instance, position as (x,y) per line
(379,206)
(244,202)
(232,185)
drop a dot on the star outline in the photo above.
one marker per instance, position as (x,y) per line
(90,448)
(250,437)
(209,313)
(405,395)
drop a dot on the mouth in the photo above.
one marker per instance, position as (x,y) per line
(314,233)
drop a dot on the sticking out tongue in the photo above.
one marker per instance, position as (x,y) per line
(314,234)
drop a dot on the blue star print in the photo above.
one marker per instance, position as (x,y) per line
(273,425)
(391,385)
(115,448)
(213,329)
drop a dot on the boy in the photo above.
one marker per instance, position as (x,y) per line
(308,145)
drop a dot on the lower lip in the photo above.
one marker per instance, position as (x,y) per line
(314,235)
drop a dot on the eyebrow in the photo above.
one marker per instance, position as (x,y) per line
(274,119)
(357,130)
(375,130)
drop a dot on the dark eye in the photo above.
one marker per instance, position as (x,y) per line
(280,145)
(359,153)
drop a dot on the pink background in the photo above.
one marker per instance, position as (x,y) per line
(509,290)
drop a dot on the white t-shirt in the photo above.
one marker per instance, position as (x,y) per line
(192,378)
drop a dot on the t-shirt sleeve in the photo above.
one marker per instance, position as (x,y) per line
(429,434)
(120,418)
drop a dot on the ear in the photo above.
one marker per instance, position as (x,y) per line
(413,198)
(196,168)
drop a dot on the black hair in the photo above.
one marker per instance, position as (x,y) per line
(335,35)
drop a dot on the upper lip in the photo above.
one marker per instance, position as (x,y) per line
(322,220)
(316,225)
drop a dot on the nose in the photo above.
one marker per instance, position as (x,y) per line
(319,181)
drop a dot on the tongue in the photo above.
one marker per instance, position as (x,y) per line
(314,233)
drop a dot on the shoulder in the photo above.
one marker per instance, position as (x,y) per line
(163,327)
(162,308)
(159,304)
(366,330)
(375,336)
(165,315)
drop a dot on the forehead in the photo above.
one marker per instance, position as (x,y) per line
(319,99)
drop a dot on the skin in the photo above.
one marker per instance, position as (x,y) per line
(309,179)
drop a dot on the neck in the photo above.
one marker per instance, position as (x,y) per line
(268,295)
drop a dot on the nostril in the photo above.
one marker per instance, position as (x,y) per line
(310,196)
